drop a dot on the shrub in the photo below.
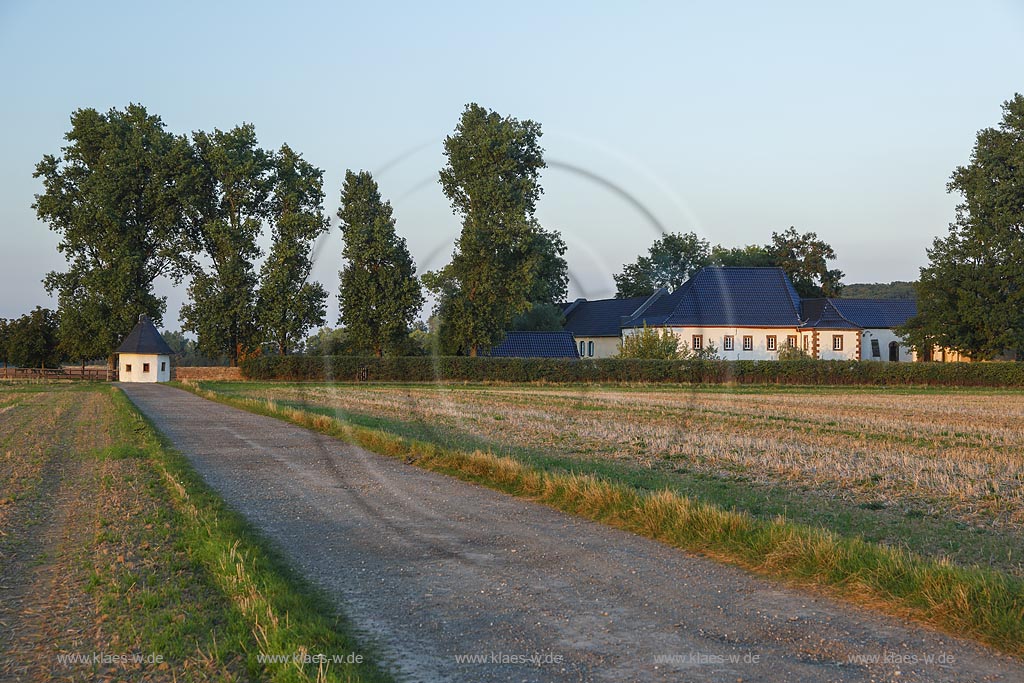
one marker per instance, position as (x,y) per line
(693,371)
(653,343)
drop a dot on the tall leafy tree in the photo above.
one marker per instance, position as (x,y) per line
(550,284)
(119,199)
(288,304)
(670,261)
(492,179)
(379,295)
(805,259)
(235,184)
(32,340)
(971,293)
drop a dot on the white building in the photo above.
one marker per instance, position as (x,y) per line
(144,356)
(753,313)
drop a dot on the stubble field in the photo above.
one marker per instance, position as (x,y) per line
(937,472)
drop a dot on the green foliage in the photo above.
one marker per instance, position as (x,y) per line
(805,259)
(502,256)
(750,256)
(897,289)
(186,351)
(330,342)
(676,257)
(671,260)
(551,276)
(288,305)
(707,352)
(32,340)
(653,343)
(119,200)
(971,293)
(236,182)
(788,352)
(379,295)
(556,370)
(540,318)
(423,339)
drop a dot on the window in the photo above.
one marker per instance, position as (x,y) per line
(837,342)
(590,349)
(728,343)
(145,367)
(876,351)
(698,342)
(128,367)
(771,343)
(791,341)
(748,343)
(163,366)
(807,342)
(583,346)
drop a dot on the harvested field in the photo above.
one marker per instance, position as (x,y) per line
(952,453)
(936,471)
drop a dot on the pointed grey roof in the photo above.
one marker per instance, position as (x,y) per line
(144,338)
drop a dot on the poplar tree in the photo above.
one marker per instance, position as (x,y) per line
(235,183)
(492,179)
(379,293)
(288,304)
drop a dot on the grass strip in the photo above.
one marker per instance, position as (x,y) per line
(965,601)
(281,615)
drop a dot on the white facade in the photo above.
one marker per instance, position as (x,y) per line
(143,367)
(886,339)
(597,347)
(765,342)
(748,343)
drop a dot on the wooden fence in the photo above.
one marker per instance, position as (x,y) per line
(93,374)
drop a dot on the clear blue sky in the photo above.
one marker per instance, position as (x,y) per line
(728,119)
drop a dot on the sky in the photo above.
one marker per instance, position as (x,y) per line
(731,120)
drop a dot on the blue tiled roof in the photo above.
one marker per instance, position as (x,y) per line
(601,318)
(144,338)
(536,345)
(822,313)
(876,312)
(728,296)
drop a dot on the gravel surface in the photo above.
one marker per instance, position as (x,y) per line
(435,571)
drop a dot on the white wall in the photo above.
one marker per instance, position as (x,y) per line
(604,347)
(159,368)
(717,336)
(761,352)
(884,336)
(826,342)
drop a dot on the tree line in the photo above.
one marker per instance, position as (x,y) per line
(133,202)
(676,257)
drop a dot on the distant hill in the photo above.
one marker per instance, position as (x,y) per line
(879,290)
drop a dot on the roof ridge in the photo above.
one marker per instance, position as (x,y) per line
(828,302)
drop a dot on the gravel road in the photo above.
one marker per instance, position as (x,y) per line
(455,582)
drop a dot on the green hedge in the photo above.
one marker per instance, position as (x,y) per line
(462,369)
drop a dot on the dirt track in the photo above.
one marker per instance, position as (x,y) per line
(436,571)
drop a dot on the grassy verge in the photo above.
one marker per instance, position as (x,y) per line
(965,601)
(273,611)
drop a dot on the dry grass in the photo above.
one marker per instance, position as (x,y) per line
(953,454)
